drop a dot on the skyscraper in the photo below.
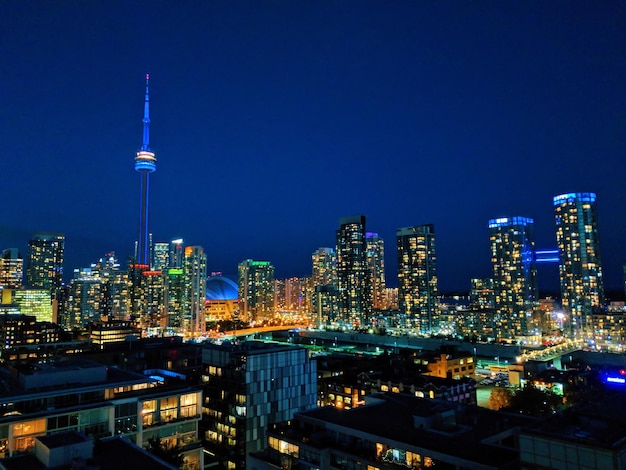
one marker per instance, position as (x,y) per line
(355,301)
(256,290)
(177,253)
(293,295)
(145,163)
(417,276)
(324,285)
(194,296)
(174,297)
(160,256)
(376,267)
(11,269)
(84,300)
(45,261)
(580,269)
(324,267)
(514,273)
(482,305)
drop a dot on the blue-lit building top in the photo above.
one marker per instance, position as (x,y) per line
(573,197)
(508,221)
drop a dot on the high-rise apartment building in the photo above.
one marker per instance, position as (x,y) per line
(45,261)
(177,253)
(194,296)
(256,290)
(115,300)
(11,269)
(376,265)
(160,256)
(417,276)
(481,294)
(482,305)
(353,280)
(137,291)
(293,295)
(580,268)
(324,285)
(248,387)
(84,300)
(514,274)
(324,267)
(174,297)
(153,316)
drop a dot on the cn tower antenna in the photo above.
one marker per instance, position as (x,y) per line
(146,116)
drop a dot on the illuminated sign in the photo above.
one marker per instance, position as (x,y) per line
(616,380)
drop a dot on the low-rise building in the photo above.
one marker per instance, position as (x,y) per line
(451,365)
(395,431)
(583,437)
(99,402)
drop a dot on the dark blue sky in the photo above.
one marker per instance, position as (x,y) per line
(273,119)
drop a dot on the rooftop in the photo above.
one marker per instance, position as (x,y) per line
(602,423)
(108,454)
(438,426)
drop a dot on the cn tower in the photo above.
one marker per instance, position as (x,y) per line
(145,163)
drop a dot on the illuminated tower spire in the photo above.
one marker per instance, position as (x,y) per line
(145,163)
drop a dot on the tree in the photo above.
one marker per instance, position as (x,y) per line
(170,454)
(500,398)
(532,401)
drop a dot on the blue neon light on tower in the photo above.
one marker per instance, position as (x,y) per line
(145,163)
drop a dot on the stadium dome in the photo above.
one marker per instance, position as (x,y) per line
(221,288)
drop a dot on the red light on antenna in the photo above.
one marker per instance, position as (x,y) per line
(147,76)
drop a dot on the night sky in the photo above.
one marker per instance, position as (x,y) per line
(273,119)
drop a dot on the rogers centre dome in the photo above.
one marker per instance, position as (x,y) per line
(221,288)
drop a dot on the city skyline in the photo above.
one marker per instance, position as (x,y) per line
(285,118)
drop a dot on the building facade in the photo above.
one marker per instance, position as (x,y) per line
(256,290)
(324,267)
(514,274)
(45,261)
(353,280)
(580,268)
(35,302)
(324,285)
(375,256)
(395,431)
(248,387)
(195,290)
(99,401)
(11,269)
(417,276)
